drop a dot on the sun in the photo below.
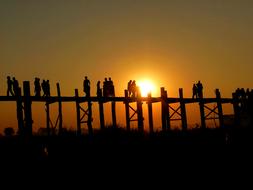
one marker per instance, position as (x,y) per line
(146,86)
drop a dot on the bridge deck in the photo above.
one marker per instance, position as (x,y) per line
(53,99)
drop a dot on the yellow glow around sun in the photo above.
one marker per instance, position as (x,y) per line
(146,86)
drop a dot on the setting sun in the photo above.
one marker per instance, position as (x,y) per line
(146,86)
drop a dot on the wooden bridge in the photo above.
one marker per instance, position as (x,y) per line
(84,114)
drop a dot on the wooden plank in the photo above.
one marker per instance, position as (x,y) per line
(78,121)
(202,112)
(89,122)
(27,108)
(114,122)
(219,106)
(126,102)
(164,107)
(183,110)
(53,99)
(48,118)
(150,114)
(20,117)
(139,112)
(59,107)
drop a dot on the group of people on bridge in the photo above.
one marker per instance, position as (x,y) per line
(13,87)
(245,99)
(197,90)
(132,88)
(107,90)
(45,86)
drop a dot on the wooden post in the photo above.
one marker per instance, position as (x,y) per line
(114,124)
(78,122)
(219,106)
(27,108)
(202,112)
(183,110)
(20,113)
(150,114)
(139,111)
(163,107)
(90,117)
(165,110)
(101,113)
(48,118)
(236,109)
(127,111)
(59,107)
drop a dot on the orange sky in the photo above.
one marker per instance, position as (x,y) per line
(173,43)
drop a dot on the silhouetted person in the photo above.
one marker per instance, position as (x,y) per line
(105,88)
(243,99)
(129,88)
(48,93)
(243,93)
(46,88)
(134,89)
(37,87)
(86,86)
(111,87)
(15,86)
(247,93)
(43,86)
(9,131)
(99,90)
(200,89)
(250,106)
(9,86)
(238,93)
(194,91)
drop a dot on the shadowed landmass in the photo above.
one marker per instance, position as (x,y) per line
(112,145)
(117,143)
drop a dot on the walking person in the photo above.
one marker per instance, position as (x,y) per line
(194,91)
(9,86)
(200,89)
(134,89)
(43,86)
(105,88)
(86,86)
(99,90)
(15,86)
(48,93)
(111,87)
(129,88)
(37,87)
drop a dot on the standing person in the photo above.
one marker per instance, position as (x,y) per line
(15,86)
(99,90)
(37,87)
(105,88)
(194,91)
(134,89)
(9,86)
(48,93)
(200,89)
(111,87)
(247,93)
(129,88)
(44,86)
(86,86)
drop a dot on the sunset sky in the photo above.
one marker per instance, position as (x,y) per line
(173,43)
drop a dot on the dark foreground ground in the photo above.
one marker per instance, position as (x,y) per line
(118,144)
(117,155)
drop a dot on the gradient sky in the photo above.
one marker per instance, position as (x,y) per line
(172,42)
